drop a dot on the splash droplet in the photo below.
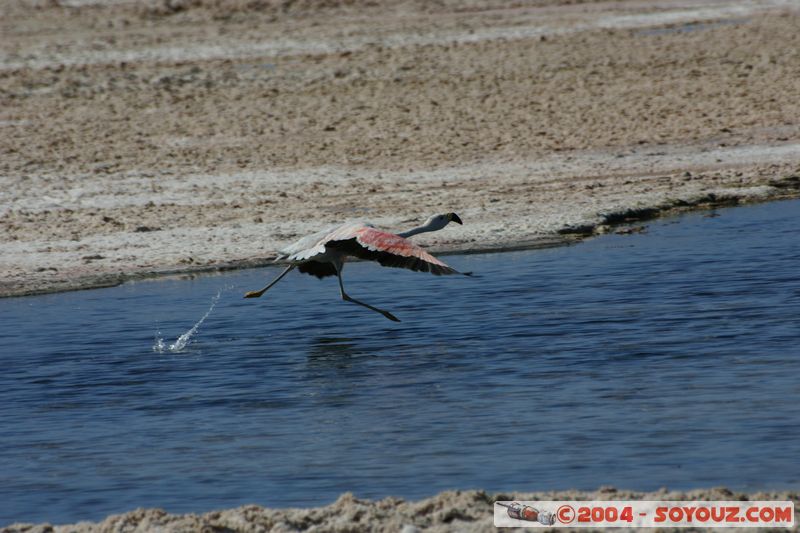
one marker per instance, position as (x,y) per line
(180,343)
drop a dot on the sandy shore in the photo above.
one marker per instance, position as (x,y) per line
(184,135)
(138,139)
(461,511)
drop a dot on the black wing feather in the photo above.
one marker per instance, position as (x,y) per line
(317,268)
(354,248)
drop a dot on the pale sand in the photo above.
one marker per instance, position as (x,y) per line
(83,234)
(185,136)
(454,511)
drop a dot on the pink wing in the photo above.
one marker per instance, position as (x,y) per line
(387,249)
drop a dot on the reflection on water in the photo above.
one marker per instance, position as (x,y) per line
(665,359)
(335,350)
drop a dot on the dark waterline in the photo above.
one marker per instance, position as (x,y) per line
(641,361)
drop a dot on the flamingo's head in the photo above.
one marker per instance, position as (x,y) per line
(437,222)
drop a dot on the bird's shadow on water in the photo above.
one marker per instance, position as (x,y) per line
(337,369)
(339,352)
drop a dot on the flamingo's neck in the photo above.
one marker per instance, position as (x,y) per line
(421,229)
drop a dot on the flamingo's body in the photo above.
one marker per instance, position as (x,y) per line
(324,254)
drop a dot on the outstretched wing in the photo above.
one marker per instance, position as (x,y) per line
(365,242)
(308,246)
(388,249)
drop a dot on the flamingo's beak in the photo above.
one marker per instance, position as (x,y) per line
(454,218)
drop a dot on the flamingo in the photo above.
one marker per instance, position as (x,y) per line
(323,254)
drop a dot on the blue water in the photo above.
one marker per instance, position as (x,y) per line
(662,359)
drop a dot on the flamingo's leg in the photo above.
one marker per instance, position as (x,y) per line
(347,298)
(257,294)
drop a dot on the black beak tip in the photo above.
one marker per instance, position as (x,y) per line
(455,218)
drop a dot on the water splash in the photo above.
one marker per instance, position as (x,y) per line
(180,343)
